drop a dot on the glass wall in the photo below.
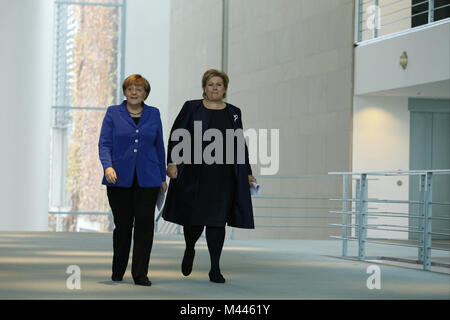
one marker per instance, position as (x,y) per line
(88,71)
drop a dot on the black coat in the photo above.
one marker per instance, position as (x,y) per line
(181,195)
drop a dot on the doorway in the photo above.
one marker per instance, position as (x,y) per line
(430,149)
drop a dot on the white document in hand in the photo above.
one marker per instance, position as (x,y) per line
(254,189)
(160,200)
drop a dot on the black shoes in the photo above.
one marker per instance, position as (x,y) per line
(188,260)
(140,282)
(116,278)
(186,267)
(216,277)
(143,282)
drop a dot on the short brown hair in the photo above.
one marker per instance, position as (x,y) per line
(137,80)
(215,73)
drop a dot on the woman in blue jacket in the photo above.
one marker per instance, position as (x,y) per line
(131,150)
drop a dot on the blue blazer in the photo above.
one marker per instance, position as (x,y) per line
(181,195)
(130,148)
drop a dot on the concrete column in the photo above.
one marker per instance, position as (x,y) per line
(26,34)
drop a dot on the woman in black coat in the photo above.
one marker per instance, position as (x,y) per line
(204,193)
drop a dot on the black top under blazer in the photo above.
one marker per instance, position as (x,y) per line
(182,192)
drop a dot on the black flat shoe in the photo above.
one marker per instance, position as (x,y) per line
(216,277)
(188,260)
(116,278)
(143,282)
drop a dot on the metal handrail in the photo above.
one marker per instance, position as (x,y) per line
(361,213)
(393,173)
(282,207)
(371,11)
(377,201)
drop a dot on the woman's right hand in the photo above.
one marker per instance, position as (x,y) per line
(110,175)
(172,171)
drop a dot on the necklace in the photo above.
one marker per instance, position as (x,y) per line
(213,106)
(135,113)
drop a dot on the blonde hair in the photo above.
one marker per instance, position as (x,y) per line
(215,73)
(137,80)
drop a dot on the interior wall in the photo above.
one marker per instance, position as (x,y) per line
(195,46)
(377,65)
(381,143)
(147,49)
(291,67)
(26,34)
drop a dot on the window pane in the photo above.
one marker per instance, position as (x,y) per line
(80,222)
(82,171)
(93,1)
(87,74)
(87,55)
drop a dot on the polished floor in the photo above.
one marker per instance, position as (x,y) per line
(34,265)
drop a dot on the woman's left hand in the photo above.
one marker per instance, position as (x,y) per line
(163,187)
(251,179)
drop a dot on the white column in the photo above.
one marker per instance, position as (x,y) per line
(26,35)
(147,50)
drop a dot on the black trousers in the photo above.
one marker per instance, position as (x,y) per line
(130,206)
